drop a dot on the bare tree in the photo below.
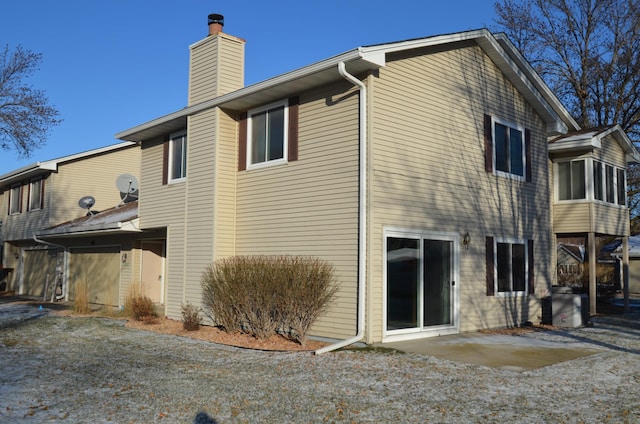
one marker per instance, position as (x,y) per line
(587,52)
(25,113)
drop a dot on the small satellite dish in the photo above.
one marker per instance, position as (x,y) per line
(127,184)
(87,202)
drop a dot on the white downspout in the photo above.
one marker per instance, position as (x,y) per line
(362,242)
(64,262)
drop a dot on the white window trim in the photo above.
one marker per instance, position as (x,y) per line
(31,190)
(590,194)
(420,332)
(172,137)
(509,124)
(511,293)
(285,147)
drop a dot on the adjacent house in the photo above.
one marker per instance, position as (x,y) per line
(420,169)
(37,198)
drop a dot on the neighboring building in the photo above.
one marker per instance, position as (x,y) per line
(570,265)
(418,168)
(45,194)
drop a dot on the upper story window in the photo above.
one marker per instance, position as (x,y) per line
(507,149)
(15,199)
(36,194)
(267,129)
(268,135)
(590,179)
(571,180)
(177,156)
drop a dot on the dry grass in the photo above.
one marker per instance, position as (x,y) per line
(81,298)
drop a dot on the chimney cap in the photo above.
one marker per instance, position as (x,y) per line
(216,18)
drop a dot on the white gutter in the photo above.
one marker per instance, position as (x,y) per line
(362,242)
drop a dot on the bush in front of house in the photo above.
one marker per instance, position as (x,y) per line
(265,295)
(191,319)
(143,309)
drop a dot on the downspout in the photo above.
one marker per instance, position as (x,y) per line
(64,264)
(362,230)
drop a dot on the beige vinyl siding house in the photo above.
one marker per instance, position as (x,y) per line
(419,169)
(60,183)
(428,173)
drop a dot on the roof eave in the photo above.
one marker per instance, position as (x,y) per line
(261,92)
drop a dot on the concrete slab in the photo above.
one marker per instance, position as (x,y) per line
(513,353)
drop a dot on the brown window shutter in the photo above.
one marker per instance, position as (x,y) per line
(532,287)
(294,103)
(29,197)
(165,161)
(490,267)
(242,142)
(488,144)
(527,149)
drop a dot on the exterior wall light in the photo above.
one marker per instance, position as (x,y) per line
(124,258)
(466,240)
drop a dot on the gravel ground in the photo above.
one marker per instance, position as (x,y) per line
(61,369)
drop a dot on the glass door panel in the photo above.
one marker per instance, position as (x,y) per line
(402,283)
(437,282)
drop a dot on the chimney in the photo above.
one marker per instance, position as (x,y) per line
(216,65)
(216,22)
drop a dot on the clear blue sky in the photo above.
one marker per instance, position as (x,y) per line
(112,64)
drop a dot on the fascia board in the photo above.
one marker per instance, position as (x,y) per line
(265,85)
(52,164)
(582,144)
(540,85)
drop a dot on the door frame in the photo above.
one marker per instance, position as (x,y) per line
(431,331)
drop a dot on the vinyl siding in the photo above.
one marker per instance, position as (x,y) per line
(163,206)
(95,176)
(216,67)
(200,187)
(310,206)
(593,216)
(225,187)
(427,173)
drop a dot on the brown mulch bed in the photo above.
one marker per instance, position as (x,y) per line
(215,335)
(173,327)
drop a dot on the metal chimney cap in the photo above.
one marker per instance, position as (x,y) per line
(216,18)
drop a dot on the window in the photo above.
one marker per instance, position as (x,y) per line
(621,181)
(267,128)
(509,266)
(598,184)
(177,157)
(15,199)
(507,149)
(268,135)
(36,194)
(609,183)
(571,180)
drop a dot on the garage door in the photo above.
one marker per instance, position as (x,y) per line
(37,265)
(99,267)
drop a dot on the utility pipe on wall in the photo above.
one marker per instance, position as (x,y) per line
(362,212)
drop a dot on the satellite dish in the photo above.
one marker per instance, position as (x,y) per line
(127,184)
(87,202)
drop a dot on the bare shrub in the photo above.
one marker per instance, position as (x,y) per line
(308,288)
(143,307)
(81,298)
(260,295)
(191,319)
